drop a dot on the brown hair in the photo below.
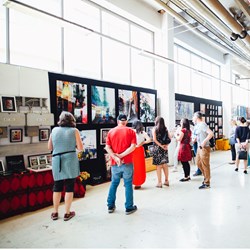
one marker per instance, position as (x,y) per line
(66,119)
(160,125)
(242,119)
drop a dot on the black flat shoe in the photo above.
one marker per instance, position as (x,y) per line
(245,172)
(236,169)
(185,179)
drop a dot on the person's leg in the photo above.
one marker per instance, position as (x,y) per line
(57,194)
(128,177)
(176,157)
(186,168)
(158,172)
(165,170)
(115,181)
(237,162)
(69,194)
(205,164)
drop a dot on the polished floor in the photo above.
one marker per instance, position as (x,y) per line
(179,216)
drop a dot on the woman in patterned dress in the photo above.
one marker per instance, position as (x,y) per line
(161,139)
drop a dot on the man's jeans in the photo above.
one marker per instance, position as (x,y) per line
(124,171)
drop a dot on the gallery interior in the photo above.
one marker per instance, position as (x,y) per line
(97,59)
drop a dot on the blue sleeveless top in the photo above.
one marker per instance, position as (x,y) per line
(65,165)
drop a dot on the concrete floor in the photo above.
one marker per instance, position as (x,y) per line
(179,216)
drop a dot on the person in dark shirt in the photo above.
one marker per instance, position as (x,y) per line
(241,136)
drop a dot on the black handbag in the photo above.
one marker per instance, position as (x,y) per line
(242,155)
(166,140)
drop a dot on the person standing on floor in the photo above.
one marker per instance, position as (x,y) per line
(139,154)
(120,143)
(232,141)
(176,151)
(63,141)
(195,148)
(185,152)
(242,135)
(203,135)
(161,139)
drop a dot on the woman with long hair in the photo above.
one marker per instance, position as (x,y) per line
(161,139)
(142,138)
(185,153)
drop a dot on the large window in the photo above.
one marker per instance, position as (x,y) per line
(200,78)
(2,34)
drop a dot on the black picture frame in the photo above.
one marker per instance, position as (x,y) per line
(8,104)
(15,163)
(103,135)
(2,169)
(16,135)
(44,134)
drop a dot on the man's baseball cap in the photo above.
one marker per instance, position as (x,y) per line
(122,117)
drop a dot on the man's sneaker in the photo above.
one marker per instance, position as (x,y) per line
(204,186)
(111,209)
(131,210)
(197,174)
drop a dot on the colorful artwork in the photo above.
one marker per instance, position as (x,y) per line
(184,110)
(72,97)
(88,138)
(108,166)
(203,108)
(103,135)
(147,107)
(128,104)
(103,105)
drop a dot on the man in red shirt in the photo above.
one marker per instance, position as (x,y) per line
(120,143)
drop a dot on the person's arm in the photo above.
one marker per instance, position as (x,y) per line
(116,158)
(210,134)
(237,137)
(127,151)
(179,136)
(50,145)
(165,147)
(79,144)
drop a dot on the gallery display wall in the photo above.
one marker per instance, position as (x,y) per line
(185,106)
(96,105)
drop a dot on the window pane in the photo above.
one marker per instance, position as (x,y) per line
(206,87)
(142,70)
(81,54)
(83,14)
(115,27)
(115,61)
(183,56)
(195,62)
(196,85)
(184,75)
(142,38)
(2,34)
(216,90)
(206,66)
(34,43)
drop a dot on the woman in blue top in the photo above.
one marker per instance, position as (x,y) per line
(63,142)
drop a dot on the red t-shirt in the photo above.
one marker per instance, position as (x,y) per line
(119,139)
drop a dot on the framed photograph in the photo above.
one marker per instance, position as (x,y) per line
(33,161)
(147,107)
(42,159)
(49,159)
(72,97)
(203,108)
(44,134)
(39,163)
(88,138)
(103,135)
(184,110)
(149,131)
(15,163)
(128,104)
(2,169)
(8,104)
(16,135)
(108,166)
(103,105)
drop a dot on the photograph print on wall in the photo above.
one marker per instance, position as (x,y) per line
(147,107)
(103,105)
(128,104)
(72,97)
(184,110)
(88,138)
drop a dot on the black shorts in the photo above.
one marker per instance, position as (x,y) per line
(68,183)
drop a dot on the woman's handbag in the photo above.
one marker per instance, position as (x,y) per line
(242,154)
(166,140)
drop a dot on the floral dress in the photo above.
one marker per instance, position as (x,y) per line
(160,156)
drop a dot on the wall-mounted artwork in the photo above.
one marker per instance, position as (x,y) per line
(147,107)
(88,138)
(184,110)
(108,166)
(15,163)
(103,135)
(72,97)
(149,131)
(220,121)
(219,110)
(203,108)
(8,104)
(44,134)
(128,104)
(16,135)
(103,105)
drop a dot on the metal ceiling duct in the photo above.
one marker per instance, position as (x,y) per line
(183,21)
(218,9)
